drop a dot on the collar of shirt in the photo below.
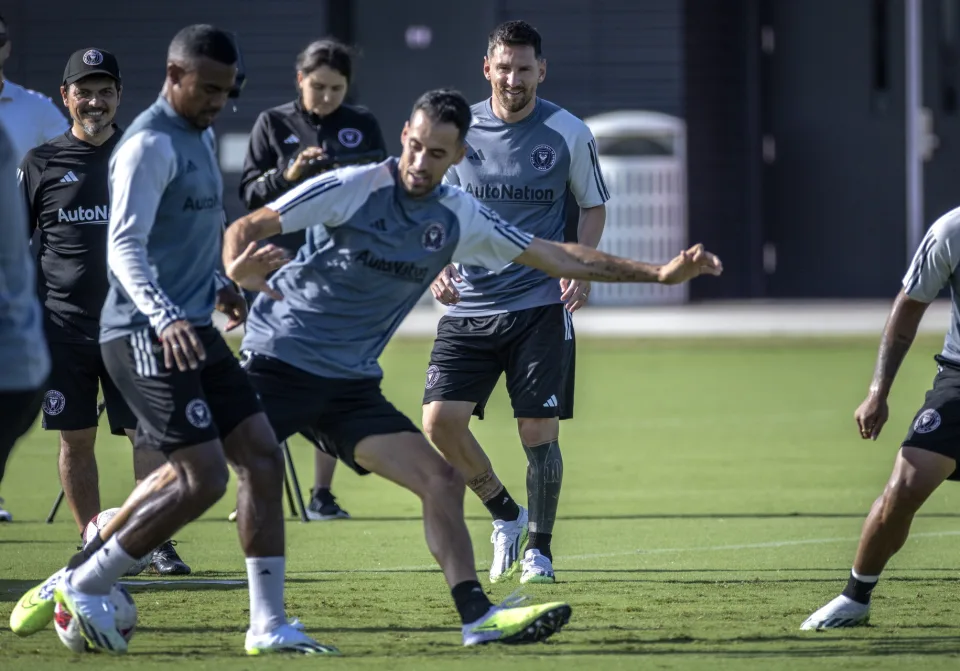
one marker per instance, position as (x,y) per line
(174,116)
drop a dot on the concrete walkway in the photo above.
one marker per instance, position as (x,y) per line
(735,319)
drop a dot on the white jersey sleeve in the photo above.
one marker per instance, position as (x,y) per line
(935,260)
(451,177)
(330,199)
(140,171)
(586,178)
(485,239)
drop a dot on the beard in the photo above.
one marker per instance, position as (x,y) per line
(513,103)
(93,127)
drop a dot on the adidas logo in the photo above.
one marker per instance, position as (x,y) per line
(69,177)
(476,155)
(293,139)
(551,402)
(190,167)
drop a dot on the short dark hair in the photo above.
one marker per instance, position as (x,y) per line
(445,106)
(515,34)
(335,55)
(202,41)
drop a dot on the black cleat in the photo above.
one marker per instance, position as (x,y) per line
(166,561)
(326,508)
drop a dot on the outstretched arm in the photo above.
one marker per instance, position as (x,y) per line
(584,263)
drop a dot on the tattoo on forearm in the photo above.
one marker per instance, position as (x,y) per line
(893,349)
(605,268)
(486,486)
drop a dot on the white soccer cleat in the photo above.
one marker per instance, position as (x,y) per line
(841,612)
(536,568)
(286,639)
(507,538)
(5,515)
(232,517)
(95,615)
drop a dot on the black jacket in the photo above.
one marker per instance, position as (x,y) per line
(282,132)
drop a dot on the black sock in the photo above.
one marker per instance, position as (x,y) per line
(472,603)
(503,507)
(540,542)
(858,590)
(322,494)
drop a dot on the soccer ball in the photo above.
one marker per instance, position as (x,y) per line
(68,630)
(97,523)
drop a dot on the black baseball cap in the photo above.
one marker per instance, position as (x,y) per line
(86,62)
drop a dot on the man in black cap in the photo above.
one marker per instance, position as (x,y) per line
(65,188)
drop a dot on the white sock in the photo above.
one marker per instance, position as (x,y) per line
(265,576)
(864,578)
(101,572)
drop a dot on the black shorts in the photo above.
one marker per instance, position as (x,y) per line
(70,401)
(18,410)
(536,348)
(936,426)
(177,408)
(336,414)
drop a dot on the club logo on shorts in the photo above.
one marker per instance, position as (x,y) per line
(54,402)
(350,137)
(433,374)
(543,157)
(93,57)
(434,237)
(928,421)
(198,413)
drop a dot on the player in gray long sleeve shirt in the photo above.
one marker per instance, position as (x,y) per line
(376,238)
(23,348)
(930,450)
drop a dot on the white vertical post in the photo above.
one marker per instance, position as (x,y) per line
(914,129)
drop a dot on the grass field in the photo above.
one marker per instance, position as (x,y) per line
(713,495)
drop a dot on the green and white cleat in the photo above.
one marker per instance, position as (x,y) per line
(508,538)
(34,610)
(537,568)
(524,624)
(286,639)
(95,614)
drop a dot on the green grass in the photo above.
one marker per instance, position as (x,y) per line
(713,495)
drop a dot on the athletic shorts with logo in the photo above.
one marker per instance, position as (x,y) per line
(77,373)
(177,408)
(936,426)
(336,414)
(536,348)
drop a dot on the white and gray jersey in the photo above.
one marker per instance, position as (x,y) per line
(371,252)
(166,225)
(23,348)
(524,171)
(934,267)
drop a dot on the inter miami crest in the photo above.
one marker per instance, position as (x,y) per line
(350,137)
(93,57)
(53,402)
(198,413)
(927,421)
(433,374)
(434,237)
(543,157)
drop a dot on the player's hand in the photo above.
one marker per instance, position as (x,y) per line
(688,264)
(232,304)
(296,169)
(575,293)
(250,269)
(444,289)
(872,415)
(181,345)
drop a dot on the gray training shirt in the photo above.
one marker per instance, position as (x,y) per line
(934,267)
(166,225)
(371,252)
(522,171)
(23,348)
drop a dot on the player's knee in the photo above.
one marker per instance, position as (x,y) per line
(443,423)
(207,483)
(537,431)
(904,495)
(443,482)
(266,468)
(77,443)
